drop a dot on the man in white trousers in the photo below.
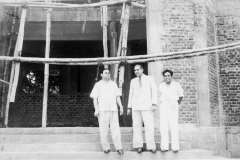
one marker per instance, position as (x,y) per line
(141,104)
(106,96)
(171,95)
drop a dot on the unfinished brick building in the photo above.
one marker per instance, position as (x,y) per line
(211,83)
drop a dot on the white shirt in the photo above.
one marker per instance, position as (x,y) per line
(170,93)
(142,97)
(106,93)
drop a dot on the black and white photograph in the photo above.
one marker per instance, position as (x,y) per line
(119,79)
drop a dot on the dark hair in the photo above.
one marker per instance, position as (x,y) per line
(167,70)
(103,68)
(139,64)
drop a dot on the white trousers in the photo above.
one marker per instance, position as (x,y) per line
(147,118)
(106,120)
(169,124)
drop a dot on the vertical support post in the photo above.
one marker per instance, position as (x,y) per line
(113,42)
(15,66)
(122,45)
(18,52)
(46,68)
(155,43)
(104,23)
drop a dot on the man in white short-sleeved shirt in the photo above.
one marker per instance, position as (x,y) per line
(106,96)
(171,95)
(142,103)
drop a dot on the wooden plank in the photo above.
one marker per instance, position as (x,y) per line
(46,69)
(17,53)
(15,67)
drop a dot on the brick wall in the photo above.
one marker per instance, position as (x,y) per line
(228,31)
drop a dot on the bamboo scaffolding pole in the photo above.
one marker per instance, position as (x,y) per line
(122,47)
(58,5)
(17,53)
(104,23)
(129,59)
(3,81)
(46,69)
(15,65)
(7,66)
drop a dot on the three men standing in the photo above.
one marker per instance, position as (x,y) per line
(142,102)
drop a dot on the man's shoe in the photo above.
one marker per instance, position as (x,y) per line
(139,150)
(106,151)
(164,150)
(120,151)
(175,151)
(153,150)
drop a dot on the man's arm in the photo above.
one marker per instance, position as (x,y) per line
(154,93)
(129,110)
(119,102)
(95,104)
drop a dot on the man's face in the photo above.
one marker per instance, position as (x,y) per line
(106,75)
(138,70)
(167,77)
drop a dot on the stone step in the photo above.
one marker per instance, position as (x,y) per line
(129,155)
(68,147)
(63,138)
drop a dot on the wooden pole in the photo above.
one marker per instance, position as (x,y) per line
(105,28)
(113,42)
(122,47)
(46,69)
(15,66)
(17,53)
(7,65)
(35,4)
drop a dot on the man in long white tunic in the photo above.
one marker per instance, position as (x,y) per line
(171,94)
(106,96)
(142,103)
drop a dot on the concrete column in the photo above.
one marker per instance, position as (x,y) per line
(202,77)
(154,32)
(155,44)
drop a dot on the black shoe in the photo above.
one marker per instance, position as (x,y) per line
(175,151)
(106,151)
(153,150)
(164,150)
(139,150)
(120,151)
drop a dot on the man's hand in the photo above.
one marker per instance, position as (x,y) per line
(129,111)
(154,107)
(180,100)
(96,113)
(121,110)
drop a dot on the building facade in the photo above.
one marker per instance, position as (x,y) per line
(211,83)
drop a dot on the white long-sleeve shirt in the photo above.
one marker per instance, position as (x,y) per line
(142,96)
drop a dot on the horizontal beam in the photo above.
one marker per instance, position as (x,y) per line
(3,81)
(39,4)
(151,57)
